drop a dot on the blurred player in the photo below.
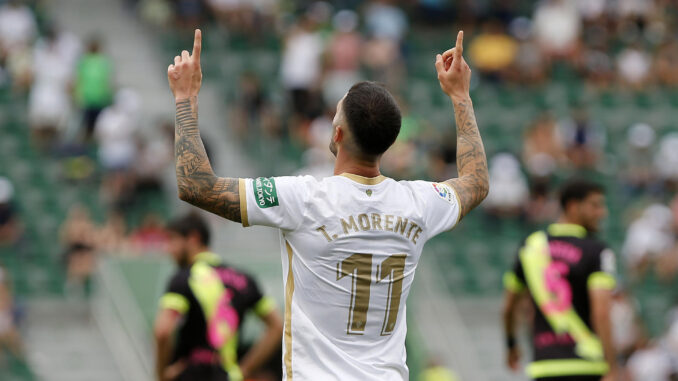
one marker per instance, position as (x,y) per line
(204,305)
(350,242)
(568,274)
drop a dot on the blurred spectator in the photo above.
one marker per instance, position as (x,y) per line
(188,13)
(638,172)
(18,27)
(249,108)
(666,160)
(557,26)
(543,149)
(301,66)
(635,67)
(584,139)
(635,9)
(542,207)
(384,20)
(651,363)
(666,63)
(94,84)
(10,228)
(78,229)
(154,158)
(9,334)
(508,187)
(318,160)
(493,51)
(111,238)
(627,331)
(115,133)
(78,237)
(158,13)
(343,57)
(386,25)
(150,236)
(49,104)
(648,238)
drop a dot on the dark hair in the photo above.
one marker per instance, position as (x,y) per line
(578,190)
(190,223)
(373,117)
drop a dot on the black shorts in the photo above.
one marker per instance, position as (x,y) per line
(570,378)
(203,373)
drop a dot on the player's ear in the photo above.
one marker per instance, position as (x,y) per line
(338,135)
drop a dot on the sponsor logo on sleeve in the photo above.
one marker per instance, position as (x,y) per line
(265,193)
(444,191)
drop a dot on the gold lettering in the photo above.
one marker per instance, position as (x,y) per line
(345,225)
(402,224)
(416,235)
(389,223)
(322,230)
(411,228)
(364,221)
(376,221)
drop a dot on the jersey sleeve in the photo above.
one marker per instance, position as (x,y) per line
(278,202)
(514,279)
(256,301)
(442,207)
(177,295)
(603,271)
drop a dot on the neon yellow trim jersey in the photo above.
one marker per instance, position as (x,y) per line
(350,246)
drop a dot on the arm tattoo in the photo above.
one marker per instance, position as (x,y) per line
(197,183)
(473,183)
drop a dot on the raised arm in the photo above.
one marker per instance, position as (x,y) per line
(473,182)
(197,183)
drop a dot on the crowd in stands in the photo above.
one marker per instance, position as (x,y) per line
(80,118)
(78,115)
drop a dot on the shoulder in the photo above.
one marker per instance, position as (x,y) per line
(179,282)
(429,189)
(594,245)
(182,274)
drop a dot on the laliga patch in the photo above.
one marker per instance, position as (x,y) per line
(265,192)
(444,191)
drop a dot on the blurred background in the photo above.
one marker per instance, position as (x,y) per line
(560,87)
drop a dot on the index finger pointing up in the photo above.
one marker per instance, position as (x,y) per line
(459,48)
(197,45)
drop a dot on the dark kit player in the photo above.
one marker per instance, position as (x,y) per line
(568,276)
(204,306)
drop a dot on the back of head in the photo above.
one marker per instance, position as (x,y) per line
(373,117)
(189,224)
(578,190)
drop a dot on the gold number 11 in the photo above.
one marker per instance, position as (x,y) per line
(359,267)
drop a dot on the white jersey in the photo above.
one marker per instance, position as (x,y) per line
(350,246)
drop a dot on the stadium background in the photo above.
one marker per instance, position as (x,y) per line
(560,87)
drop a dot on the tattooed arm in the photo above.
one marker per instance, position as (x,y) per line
(197,183)
(473,183)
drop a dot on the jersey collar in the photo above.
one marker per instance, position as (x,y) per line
(208,257)
(364,180)
(567,230)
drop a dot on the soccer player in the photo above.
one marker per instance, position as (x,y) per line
(204,306)
(568,274)
(350,242)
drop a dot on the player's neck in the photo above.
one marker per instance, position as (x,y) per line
(353,165)
(568,220)
(194,253)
